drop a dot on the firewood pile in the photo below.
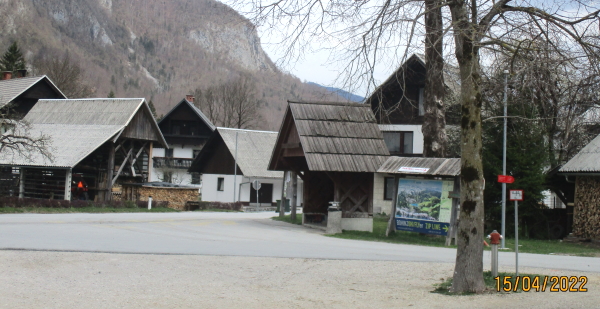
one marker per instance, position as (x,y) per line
(586,215)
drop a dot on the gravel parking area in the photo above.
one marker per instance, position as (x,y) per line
(36,279)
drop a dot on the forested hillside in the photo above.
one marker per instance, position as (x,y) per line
(160,50)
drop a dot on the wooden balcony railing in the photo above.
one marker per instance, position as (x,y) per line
(178,163)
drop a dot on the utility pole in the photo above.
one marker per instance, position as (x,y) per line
(504,162)
(235,166)
(294,197)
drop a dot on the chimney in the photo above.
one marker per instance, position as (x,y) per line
(22,73)
(6,75)
(190,98)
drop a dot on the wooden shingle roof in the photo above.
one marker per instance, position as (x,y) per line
(341,137)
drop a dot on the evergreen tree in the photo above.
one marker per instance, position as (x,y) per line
(152,109)
(12,60)
(526,160)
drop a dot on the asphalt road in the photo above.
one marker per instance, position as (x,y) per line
(226,234)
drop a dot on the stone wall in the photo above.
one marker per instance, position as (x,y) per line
(586,215)
(177,197)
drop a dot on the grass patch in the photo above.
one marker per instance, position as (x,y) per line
(46,210)
(538,246)
(399,237)
(557,247)
(288,219)
(499,285)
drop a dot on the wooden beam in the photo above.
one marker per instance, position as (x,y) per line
(109,172)
(121,168)
(290,145)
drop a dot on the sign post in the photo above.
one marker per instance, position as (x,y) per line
(504,179)
(516,195)
(256,185)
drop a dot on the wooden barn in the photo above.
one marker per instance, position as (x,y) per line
(335,148)
(90,146)
(584,170)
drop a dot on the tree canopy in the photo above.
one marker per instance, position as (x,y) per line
(13,59)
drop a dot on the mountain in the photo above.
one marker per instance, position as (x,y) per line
(160,50)
(347,96)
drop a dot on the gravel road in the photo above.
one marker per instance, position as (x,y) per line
(47,279)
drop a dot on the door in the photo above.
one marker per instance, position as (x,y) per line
(265,194)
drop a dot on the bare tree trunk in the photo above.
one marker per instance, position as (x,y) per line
(434,124)
(468,271)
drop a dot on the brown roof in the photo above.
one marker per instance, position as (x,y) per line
(425,166)
(341,137)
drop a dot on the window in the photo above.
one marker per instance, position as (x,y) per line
(421,103)
(169,153)
(168,177)
(220,184)
(195,178)
(388,189)
(399,142)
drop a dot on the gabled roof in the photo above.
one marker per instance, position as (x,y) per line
(195,109)
(587,160)
(426,166)
(10,89)
(253,151)
(451,75)
(340,137)
(75,128)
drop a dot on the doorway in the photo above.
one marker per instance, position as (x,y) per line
(265,195)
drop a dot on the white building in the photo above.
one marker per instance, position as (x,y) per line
(249,151)
(398,107)
(186,129)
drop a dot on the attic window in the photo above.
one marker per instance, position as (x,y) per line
(421,102)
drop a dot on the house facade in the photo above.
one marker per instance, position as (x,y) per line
(398,107)
(231,160)
(18,94)
(186,129)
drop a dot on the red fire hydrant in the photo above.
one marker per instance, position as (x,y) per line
(495,241)
(495,238)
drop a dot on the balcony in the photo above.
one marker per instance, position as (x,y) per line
(177,163)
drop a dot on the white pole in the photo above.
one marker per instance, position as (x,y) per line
(516,238)
(149,202)
(504,161)
(235,166)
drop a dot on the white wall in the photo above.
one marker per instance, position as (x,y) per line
(180,176)
(416,129)
(209,188)
(379,203)
(210,193)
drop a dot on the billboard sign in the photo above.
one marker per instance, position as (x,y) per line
(423,206)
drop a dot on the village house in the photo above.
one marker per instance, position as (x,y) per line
(335,148)
(18,95)
(398,107)
(231,160)
(584,170)
(186,129)
(91,147)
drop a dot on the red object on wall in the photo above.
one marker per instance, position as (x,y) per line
(506,179)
